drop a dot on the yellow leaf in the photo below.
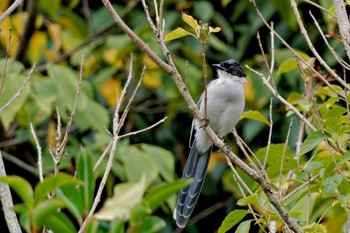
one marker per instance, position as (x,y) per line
(111,56)
(37,46)
(214,30)
(51,134)
(177,33)
(190,21)
(56,35)
(151,81)
(109,90)
(213,161)
(3,6)
(255,115)
(249,91)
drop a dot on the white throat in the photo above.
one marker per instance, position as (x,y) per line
(224,75)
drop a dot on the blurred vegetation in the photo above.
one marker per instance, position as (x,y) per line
(141,189)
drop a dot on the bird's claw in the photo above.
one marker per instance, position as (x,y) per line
(226,149)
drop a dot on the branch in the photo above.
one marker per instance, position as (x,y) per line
(278,96)
(19,92)
(28,29)
(343,23)
(6,59)
(38,148)
(295,53)
(7,203)
(10,9)
(311,46)
(143,130)
(19,163)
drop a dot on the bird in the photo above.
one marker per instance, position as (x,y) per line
(225,105)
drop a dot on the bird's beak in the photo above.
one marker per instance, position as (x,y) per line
(217,66)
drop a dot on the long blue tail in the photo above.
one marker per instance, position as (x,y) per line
(196,168)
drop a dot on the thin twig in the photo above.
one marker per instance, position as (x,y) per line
(38,148)
(309,201)
(311,46)
(9,10)
(270,135)
(295,53)
(62,147)
(278,96)
(319,7)
(239,181)
(6,59)
(343,23)
(295,190)
(243,146)
(19,163)
(335,54)
(99,161)
(117,124)
(19,92)
(143,130)
(283,155)
(7,203)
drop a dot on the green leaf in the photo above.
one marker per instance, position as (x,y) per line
(152,224)
(164,160)
(244,227)
(12,83)
(251,199)
(177,33)
(85,174)
(232,219)
(314,228)
(51,183)
(93,115)
(45,208)
(311,142)
(71,194)
(255,115)
(126,197)
(190,21)
(287,65)
(138,165)
(332,183)
(163,191)
(22,188)
(58,222)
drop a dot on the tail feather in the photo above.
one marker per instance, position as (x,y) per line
(195,168)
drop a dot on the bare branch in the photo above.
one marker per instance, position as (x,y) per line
(61,150)
(9,10)
(295,53)
(343,24)
(336,56)
(6,59)
(143,130)
(7,203)
(19,92)
(278,96)
(19,163)
(311,46)
(283,155)
(38,148)
(270,135)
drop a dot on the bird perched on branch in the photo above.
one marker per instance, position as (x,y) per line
(225,104)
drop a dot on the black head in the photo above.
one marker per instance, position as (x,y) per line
(231,67)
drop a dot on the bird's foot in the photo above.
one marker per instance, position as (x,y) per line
(226,149)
